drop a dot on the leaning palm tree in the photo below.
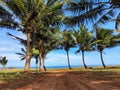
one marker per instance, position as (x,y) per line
(106,36)
(68,41)
(95,11)
(3,62)
(85,41)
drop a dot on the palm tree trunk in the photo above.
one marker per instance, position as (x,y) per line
(27,63)
(68,60)
(102,59)
(41,63)
(36,64)
(44,65)
(84,60)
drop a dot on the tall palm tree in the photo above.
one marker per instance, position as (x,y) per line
(85,41)
(45,42)
(50,46)
(35,14)
(95,11)
(68,41)
(3,62)
(106,36)
(25,11)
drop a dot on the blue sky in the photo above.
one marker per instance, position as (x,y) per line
(8,48)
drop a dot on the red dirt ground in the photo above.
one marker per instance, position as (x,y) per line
(65,81)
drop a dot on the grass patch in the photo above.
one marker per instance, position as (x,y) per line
(12,74)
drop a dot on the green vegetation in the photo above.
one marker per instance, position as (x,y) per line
(16,74)
(3,61)
(96,12)
(42,21)
(68,41)
(85,41)
(8,75)
(106,37)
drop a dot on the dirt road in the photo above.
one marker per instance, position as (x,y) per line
(66,81)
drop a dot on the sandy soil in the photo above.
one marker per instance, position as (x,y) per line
(65,81)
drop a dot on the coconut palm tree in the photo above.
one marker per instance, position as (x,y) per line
(35,14)
(68,41)
(95,11)
(50,46)
(85,41)
(3,61)
(25,11)
(106,36)
(45,41)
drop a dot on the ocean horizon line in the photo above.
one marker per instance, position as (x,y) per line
(76,66)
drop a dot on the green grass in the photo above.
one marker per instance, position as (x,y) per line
(11,74)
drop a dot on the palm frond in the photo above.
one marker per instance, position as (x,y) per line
(23,50)
(85,17)
(77,51)
(20,54)
(95,11)
(118,22)
(22,41)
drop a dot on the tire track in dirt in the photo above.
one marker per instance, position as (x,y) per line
(46,83)
(66,81)
(80,84)
(97,83)
(56,81)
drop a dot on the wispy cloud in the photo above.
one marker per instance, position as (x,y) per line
(4,49)
(11,56)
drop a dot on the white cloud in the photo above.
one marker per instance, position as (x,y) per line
(4,49)
(11,56)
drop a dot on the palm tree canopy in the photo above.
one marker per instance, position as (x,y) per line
(32,12)
(46,40)
(115,40)
(95,11)
(68,40)
(106,36)
(85,39)
(6,17)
